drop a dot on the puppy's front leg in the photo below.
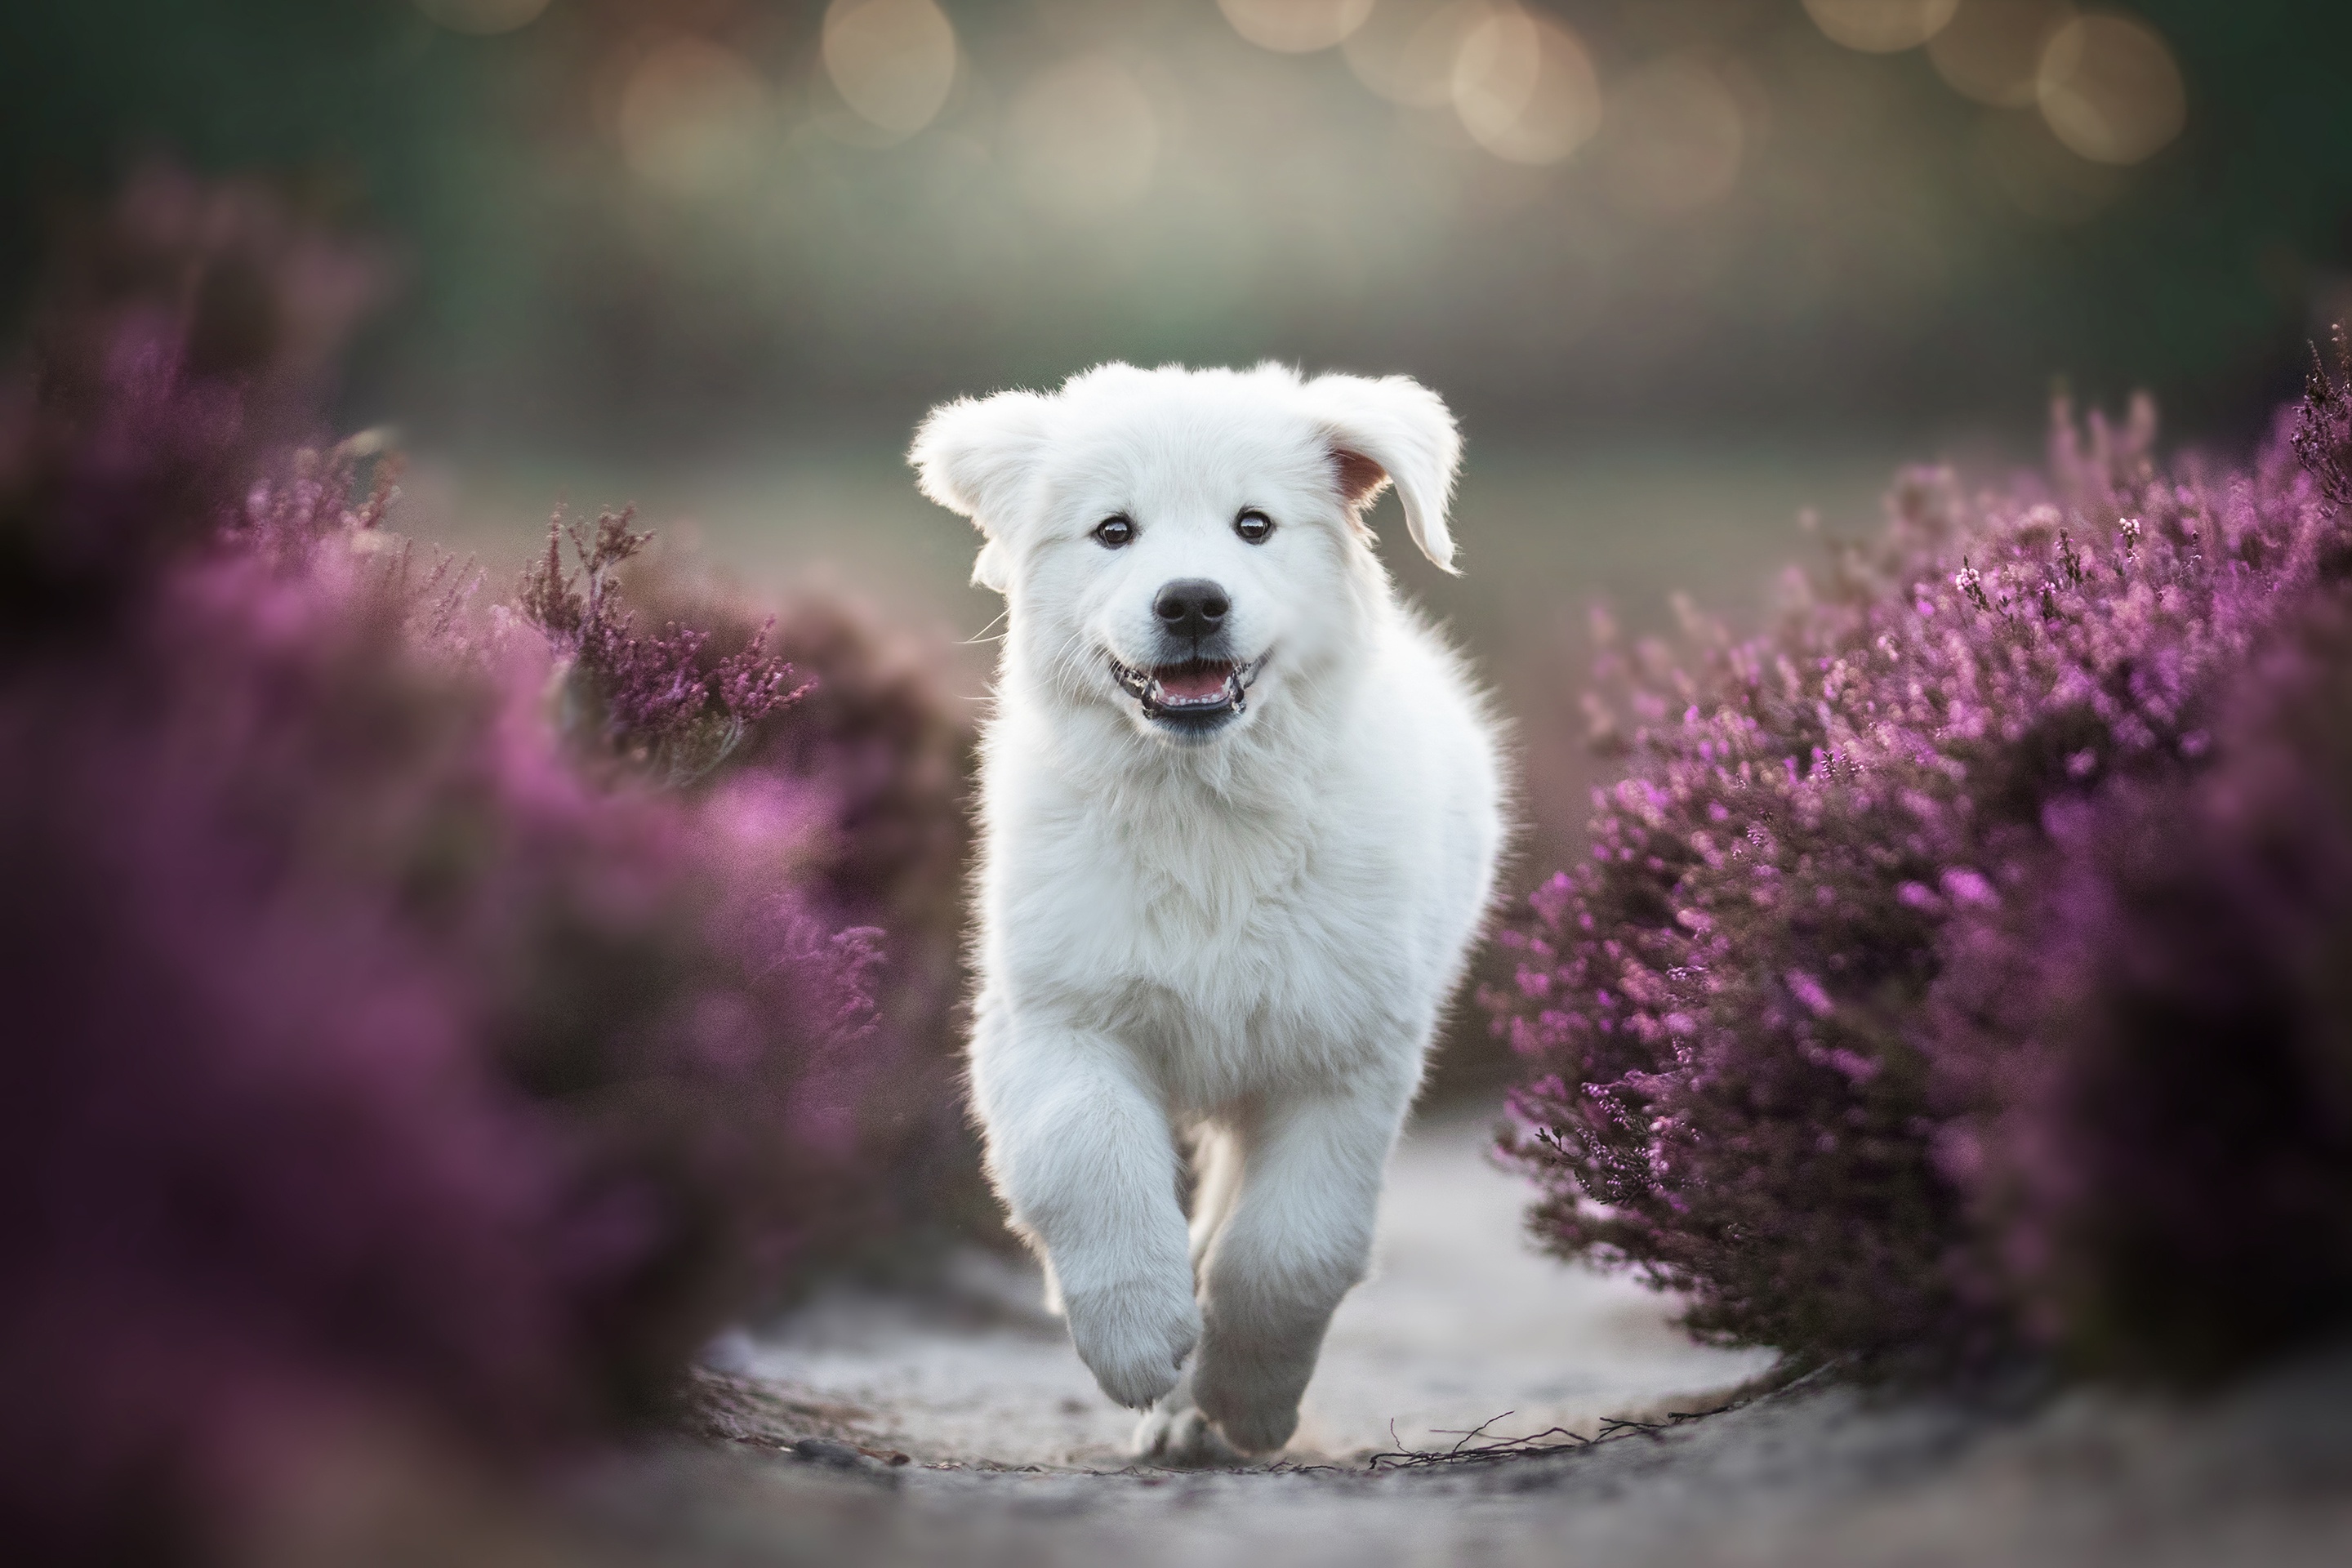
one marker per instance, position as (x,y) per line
(1298,1239)
(1081,1152)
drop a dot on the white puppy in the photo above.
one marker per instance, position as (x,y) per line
(1240,813)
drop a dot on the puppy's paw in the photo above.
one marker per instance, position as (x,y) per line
(1181,1439)
(1134,1336)
(1255,1404)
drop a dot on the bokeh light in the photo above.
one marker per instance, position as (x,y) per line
(1406,48)
(1526,88)
(1084,137)
(1672,139)
(1991,51)
(893,61)
(785,227)
(482,17)
(1296,27)
(2110,90)
(692,116)
(2018,159)
(1881,26)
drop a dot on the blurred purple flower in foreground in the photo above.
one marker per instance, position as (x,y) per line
(1762,1077)
(892,754)
(873,739)
(382,1078)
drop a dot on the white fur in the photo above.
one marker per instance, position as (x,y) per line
(1246,939)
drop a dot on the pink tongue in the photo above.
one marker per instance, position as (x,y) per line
(1192,684)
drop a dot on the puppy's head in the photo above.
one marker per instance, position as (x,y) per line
(1187,547)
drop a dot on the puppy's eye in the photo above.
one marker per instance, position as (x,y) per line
(1113,532)
(1254,526)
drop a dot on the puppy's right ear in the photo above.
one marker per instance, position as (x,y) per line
(976,455)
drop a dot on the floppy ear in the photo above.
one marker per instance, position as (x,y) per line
(1392,429)
(975,455)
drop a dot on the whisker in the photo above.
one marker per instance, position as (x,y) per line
(1067,657)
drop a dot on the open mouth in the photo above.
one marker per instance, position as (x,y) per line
(1194,694)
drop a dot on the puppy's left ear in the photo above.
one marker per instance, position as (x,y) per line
(977,456)
(1396,429)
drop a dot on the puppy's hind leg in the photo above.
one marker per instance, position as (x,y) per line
(1173,1434)
(1297,1240)
(1216,1185)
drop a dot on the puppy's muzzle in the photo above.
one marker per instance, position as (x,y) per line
(1190,693)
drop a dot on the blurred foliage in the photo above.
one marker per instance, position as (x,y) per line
(395,1094)
(1887,250)
(895,756)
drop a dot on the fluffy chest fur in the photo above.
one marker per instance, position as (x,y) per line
(1284,918)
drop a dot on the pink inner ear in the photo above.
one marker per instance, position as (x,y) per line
(1360,478)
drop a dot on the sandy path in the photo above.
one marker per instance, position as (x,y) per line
(1461,1323)
(1016,1457)
(1814,1478)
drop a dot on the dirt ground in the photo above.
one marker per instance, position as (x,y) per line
(958,1427)
(1462,1322)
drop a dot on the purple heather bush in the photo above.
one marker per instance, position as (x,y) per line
(893,754)
(871,736)
(383,1076)
(2157,1031)
(188,331)
(1794,1026)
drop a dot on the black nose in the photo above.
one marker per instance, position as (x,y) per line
(1192,607)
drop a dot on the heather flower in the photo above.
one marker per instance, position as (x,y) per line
(652,701)
(1735,1089)
(2323,424)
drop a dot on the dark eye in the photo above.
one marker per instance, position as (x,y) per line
(1113,532)
(1254,526)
